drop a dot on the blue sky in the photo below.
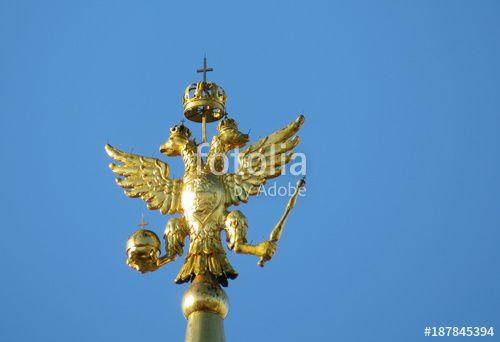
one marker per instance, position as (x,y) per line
(400,226)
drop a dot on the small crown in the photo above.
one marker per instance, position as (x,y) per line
(180,130)
(227,123)
(204,99)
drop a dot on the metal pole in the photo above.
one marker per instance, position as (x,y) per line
(203,128)
(205,306)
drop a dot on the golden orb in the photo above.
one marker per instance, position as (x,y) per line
(143,250)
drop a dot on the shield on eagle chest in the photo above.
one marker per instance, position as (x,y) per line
(202,196)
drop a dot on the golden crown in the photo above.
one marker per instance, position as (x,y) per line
(227,123)
(204,99)
(180,130)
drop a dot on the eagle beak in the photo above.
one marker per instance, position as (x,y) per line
(167,149)
(163,149)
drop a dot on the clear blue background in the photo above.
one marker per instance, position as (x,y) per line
(400,226)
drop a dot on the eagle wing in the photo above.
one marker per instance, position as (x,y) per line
(148,179)
(261,161)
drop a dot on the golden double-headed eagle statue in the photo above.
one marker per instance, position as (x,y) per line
(206,192)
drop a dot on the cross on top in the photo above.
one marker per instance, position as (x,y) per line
(205,69)
(143,223)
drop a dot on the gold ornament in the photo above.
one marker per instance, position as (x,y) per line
(204,195)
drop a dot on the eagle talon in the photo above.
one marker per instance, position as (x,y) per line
(267,249)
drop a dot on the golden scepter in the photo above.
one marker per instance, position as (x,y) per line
(278,229)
